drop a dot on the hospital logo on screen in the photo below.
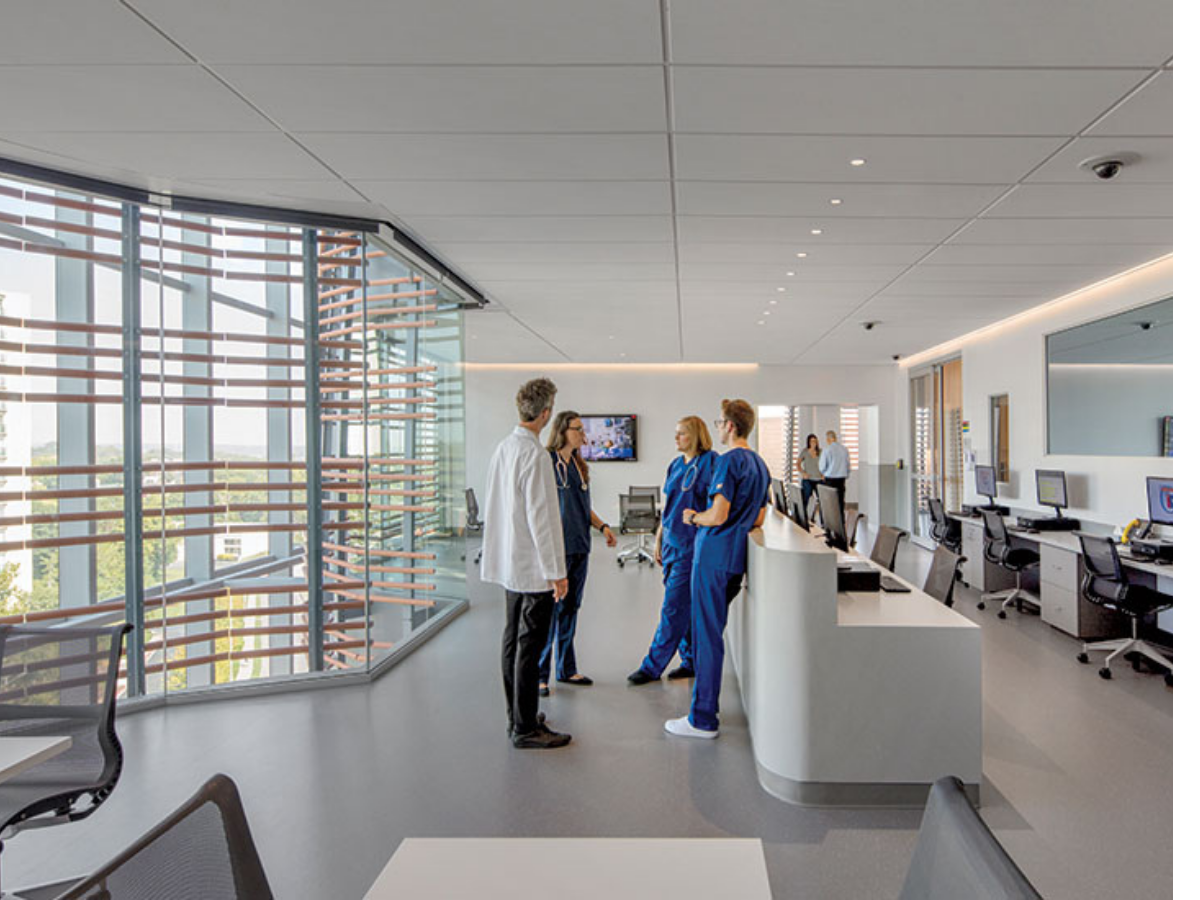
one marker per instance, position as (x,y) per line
(1166,498)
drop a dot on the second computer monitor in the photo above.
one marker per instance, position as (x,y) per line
(1051,488)
(985,481)
(832,518)
(1160,496)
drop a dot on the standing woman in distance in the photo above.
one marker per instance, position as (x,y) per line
(810,469)
(575,506)
(688,478)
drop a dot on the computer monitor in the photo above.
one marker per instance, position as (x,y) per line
(831,515)
(985,481)
(1051,489)
(777,496)
(795,501)
(1160,496)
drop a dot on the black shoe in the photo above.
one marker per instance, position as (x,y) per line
(640,677)
(543,690)
(681,672)
(541,739)
(581,680)
(541,723)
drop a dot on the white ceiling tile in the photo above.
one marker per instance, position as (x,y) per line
(186,155)
(1151,160)
(486,99)
(778,229)
(271,189)
(416,31)
(1152,232)
(576,157)
(492,335)
(781,258)
(519,293)
(1102,199)
(602,273)
(734,272)
(1019,255)
(949,201)
(538,254)
(58,32)
(515,198)
(932,33)
(926,160)
(121,98)
(965,288)
(729,100)
(1001,274)
(832,294)
(1148,112)
(540,229)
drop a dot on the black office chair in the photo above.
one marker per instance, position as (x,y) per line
(639,515)
(1105,584)
(958,857)
(887,541)
(203,849)
(60,681)
(945,531)
(474,523)
(943,572)
(998,549)
(854,519)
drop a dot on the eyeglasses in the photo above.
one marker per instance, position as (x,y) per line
(574,428)
(717,423)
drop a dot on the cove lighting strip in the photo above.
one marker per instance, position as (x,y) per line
(611,367)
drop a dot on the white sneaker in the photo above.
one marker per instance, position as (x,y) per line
(684,728)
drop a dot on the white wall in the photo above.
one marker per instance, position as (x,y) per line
(660,396)
(1009,358)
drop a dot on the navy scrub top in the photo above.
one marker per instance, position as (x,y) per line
(574,504)
(743,479)
(686,488)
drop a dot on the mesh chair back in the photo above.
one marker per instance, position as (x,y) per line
(995,536)
(203,851)
(943,572)
(886,544)
(639,513)
(652,490)
(957,856)
(937,511)
(473,522)
(1103,580)
(853,519)
(60,681)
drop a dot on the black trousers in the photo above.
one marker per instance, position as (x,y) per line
(840,485)
(525,630)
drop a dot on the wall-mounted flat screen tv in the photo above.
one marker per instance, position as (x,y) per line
(610,438)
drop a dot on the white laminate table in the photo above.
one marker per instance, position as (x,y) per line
(20,753)
(579,868)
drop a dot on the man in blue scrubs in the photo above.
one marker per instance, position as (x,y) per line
(688,480)
(738,503)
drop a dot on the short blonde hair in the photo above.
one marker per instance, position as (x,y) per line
(698,431)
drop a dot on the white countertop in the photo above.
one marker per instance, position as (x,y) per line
(20,753)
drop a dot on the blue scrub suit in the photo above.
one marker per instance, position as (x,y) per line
(575,505)
(686,488)
(719,562)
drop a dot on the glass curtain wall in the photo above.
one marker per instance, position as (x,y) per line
(246,439)
(935,401)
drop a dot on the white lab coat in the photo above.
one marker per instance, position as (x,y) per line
(523,546)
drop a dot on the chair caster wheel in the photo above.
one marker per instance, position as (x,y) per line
(1170,679)
(620,563)
(1082,657)
(981,605)
(1002,614)
(1106,673)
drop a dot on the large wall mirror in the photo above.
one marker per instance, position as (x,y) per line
(1108,385)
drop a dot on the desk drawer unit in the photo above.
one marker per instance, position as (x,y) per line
(1063,603)
(1059,567)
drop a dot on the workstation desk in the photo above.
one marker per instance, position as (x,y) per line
(1060,575)
(853,699)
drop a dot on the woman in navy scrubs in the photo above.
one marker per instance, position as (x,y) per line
(575,505)
(688,479)
(739,497)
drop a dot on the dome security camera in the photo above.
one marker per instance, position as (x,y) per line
(867,326)
(895,357)
(1108,166)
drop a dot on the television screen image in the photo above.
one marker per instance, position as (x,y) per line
(610,438)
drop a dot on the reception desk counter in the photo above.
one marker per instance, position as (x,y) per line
(853,699)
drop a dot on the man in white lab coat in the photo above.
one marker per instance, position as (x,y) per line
(523,550)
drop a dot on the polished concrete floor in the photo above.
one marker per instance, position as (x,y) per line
(1077,770)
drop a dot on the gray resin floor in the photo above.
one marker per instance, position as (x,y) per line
(1077,770)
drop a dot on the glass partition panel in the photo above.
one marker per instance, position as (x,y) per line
(1109,385)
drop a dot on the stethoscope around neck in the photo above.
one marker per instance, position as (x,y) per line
(690,475)
(562,472)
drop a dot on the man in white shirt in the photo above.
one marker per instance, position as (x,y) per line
(835,465)
(523,550)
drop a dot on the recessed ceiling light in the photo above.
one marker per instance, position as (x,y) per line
(781,290)
(611,337)
(622,354)
(816,231)
(791,274)
(836,202)
(801,255)
(774,302)
(858,162)
(766,312)
(760,322)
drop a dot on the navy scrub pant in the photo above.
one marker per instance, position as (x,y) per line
(675,623)
(712,592)
(562,624)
